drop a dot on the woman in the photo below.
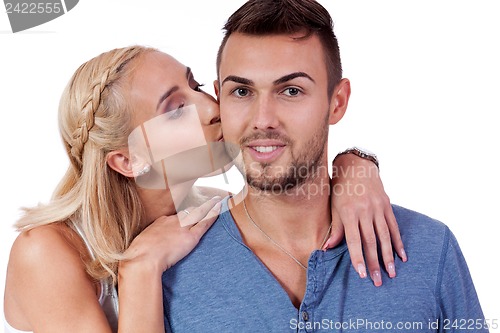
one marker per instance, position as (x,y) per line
(113,218)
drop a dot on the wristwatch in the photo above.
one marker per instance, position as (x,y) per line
(363,153)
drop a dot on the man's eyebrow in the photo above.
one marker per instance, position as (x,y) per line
(238,79)
(281,80)
(292,76)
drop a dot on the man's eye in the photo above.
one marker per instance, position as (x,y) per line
(241,92)
(291,91)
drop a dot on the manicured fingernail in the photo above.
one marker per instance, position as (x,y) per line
(377,278)
(361,271)
(403,255)
(216,198)
(391,269)
(327,245)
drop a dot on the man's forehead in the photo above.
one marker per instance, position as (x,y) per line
(297,40)
(271,56)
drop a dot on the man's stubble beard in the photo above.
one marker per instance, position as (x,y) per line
(303,167)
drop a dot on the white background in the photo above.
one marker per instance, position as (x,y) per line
(425,77)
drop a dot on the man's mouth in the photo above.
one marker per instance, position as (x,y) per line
(265,149)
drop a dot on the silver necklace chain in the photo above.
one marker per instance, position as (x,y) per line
(275,243)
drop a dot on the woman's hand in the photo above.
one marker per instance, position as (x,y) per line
(158,247)
(362,209)
(170,238)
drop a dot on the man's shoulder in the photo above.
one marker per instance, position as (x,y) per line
(412,220)
(423,236)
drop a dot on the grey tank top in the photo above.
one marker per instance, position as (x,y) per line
(108,297)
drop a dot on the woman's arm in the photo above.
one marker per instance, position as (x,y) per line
(157,248)
(362,211)
(49,290)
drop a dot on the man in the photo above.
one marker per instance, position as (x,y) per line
(260,267)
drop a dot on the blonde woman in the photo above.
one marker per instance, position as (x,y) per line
(107,231)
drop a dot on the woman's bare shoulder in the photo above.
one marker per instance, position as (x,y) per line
(45,244)
(46,270)
(46,253)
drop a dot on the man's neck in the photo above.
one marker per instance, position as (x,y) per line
(298,217)
(282,229)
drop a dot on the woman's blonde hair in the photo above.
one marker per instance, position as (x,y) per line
(94,120)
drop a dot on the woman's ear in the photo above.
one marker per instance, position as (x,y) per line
(123,164)
(339,101)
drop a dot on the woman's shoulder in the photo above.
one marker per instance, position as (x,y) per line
(50,252)
(46,269)
(46,244)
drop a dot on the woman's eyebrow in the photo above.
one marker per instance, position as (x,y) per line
(173,89)
(166,95)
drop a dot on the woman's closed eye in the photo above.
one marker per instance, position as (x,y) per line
(176,113)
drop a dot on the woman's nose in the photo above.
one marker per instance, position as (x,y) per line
(208,110)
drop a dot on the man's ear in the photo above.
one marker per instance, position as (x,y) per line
(120,162)
(216,89)
(339,101)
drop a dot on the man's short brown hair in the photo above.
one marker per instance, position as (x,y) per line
(284,17)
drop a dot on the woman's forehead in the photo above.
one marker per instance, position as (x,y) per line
(156,60)
(157,71)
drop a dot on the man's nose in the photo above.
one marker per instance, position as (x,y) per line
(264,113)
